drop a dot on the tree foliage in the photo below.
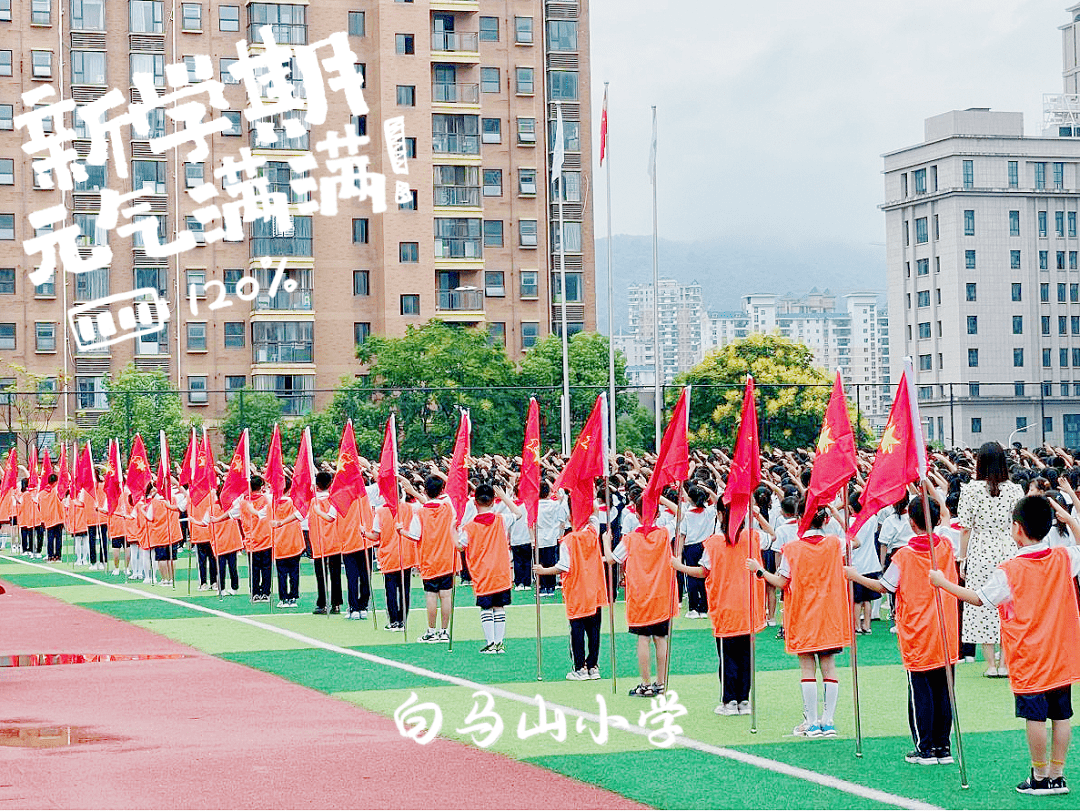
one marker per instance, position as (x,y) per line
(255,410)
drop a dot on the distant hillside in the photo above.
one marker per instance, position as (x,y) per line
(727,272)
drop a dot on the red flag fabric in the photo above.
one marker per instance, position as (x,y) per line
(673,462)
(138,472)
(34,481)
(603,130)
(11,473)
(585,465)
(46,469)
(114,484)
(187,467)
(457,481)
(834,463)
(203,477)
(85,480)
(897,462)
(745,473)
(238,480)
(529,484)
(63,473)
(348,481)
(302,491)
(388,467)
(275,465)
(164,471)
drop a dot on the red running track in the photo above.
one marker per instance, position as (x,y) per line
(200,732)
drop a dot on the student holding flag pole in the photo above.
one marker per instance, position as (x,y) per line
(457,490)
(396,552)
(291,509)
(275,479)
(529,492)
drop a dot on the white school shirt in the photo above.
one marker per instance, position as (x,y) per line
(563,563)
(1060,536)
(666,518)
(997,592)
(519,529)
(629,522)
(697,525)
(895,532)
(463,537)
(952,531)
(787,531)
(550,520)
(865,557)
(180,499)
(374,496)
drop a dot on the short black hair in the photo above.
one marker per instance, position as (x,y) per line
(323,479)
(1034,515)
(433,486)
(820,515)
(915,512)
(484,494)
(789,505)
(256,482)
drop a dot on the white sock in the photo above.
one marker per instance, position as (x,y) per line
(832,693)
(500,624)
(487,622)
(809,700)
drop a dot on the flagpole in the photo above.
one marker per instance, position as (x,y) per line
(610,288)
(658,406)
(559,147)
(536,595)
(746,528)
(612,583)
(674,585)
(371,582)
(854,643)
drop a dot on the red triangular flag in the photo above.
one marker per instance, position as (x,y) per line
(745,473)
(63,473)
(348,481)
(238,480)
(85,481)
(603,130)
(11,474)
(187,467)
(673,462)
(138,472)
(302,490)
(203,477)
(834,463)
(275,465)
(529,484)
(164,471)
(897,462)
(585,465)
(388,467)
(457,480)
(114,483)
(46,469)
(34,481)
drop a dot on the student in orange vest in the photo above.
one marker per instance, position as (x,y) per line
(729,586)
(1040,636)
(226,540)
(325,539)
(28,521)
(7,518)
(201,537)
(158,514)
(397,555)
(133,529)
(650,602)
(582,568)
(78,510)
(51,513)
(918,629)
(255,515)
(99,519)
(433,527)
(288,547)
(486,542)
(817,616)
(352,529)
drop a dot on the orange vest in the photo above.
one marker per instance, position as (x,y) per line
(394,551)
(199,534)
(176,535)
(158,523)
(348,528)
(488,554)
(650,595)
(584,590)
(1040,628)
(101,504)
(224,536)
(256,529)
(143,531)
(132,526)
(438,554)
(817,604)
(7,506)
(918,626)
(323,534)
(366,516)
(51,511)
(116,523)
(27,510)
(288,539)
(731,588)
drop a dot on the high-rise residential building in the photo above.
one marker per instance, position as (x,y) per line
(474,242)
(679,314)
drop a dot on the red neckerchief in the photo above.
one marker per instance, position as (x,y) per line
(1042,554)
(921,543)
(486,519)
(814,539)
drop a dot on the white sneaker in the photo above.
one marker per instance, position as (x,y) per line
(204,586)
(594,674)
(363,615)
(148,580)
(692,615)
(115,572)
(731,708)
(230,592)
(578,675)
(744,708)
(354,615)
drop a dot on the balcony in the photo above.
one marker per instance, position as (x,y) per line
(284,33)
(455,93)
(455,5)
(299,299)
(447,144)
(462,304)
(282,352)
(455,46)
(457,196)
(458,248)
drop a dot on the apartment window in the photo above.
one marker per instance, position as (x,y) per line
(969,259)
(497,333)
(1072,224)
(1063,359)
(226,77)
(921,235)
(41,62)
(523,30)
(527,181)
(969,223)
(493,183)
(289,22)
(937,227)
(526,233)
(1014,259)
(972,325)
(7,121)
(494,284)
(267,239)
(196,279)
(970,291)
(230,277)
(7,281)
(44,337)
(197,394)
(562,35)
(410,147)
(924,329)
(228,18)
(924,298)
(976,425)
(405,44)
(1018,325)
(1040,175)
(357,24)
(1059,175)
(406,95)
(193,175)
(926,363)
(191,16)
(493,233)
(907,234)
(196,336)
(5,63)
(282,341)
(1018,357)
(920,181)
(410,304)
(1018,389)
(455,134)
(1044,260)
(1061,293)
(5,10)
(360,230)
(153,64)
(526,131)
(41,12)
(563,85)
(530,334)
(410,204)
(235,335)
(489,80)
(7,171)
(529,284)
(409,252)
(1044,292)
(1045,321)
(1045,358)
(969,174)
(1074,293)
(1059,223)
(361,331)
(1014,223)
(525,85)
(148,176)
(491,130)
(458,238)
(7,331)
(1074,327)
(1072,260)
(7,226)
(146,16)
(489,29)
(46,289)
(1043,230)
(92,285)
(361,283)
(1014,174)
(973,389)
(1061,260)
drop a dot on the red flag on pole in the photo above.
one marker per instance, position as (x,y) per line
(603,130)
(11,474)
(897,462)
(529,484)
(138,472)
(348,480)
(673,462)
(302,491)
(275,465)
(834,463)
(585,465)
(457,481)
(164,471)
(203,477)
(34,481)
(388,467)
(238,479)
(46,469)
(84,472)
(187,467)
(114,483)
(63,473)
(745,473)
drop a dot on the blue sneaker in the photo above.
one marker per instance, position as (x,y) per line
(828,731)
(815,731)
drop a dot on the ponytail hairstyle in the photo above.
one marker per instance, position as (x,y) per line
(820,515)
(698,497)
(722,518)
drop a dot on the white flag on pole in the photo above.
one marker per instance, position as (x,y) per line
(652,149)
(559,155)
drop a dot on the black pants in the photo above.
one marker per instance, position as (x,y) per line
(39,534)
(207,562)
(358,579)
(522,564)
(56,541)
(393,594)
(333,563)
(91,531)
(28,540)
(288,578)
(260,572)
(228,561)
(184,527)
(695,586)
(967,649)
(581,629)
(99,542)
(734,652)
(929,712)
(549,556)
(465,576)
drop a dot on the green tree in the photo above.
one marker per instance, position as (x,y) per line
(792,392)
(257,411)
(29,405)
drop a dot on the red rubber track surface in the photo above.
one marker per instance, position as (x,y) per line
(200,732)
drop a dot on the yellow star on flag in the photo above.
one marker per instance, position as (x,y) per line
(583,443)
(889,440)
(534,449)
(825,441)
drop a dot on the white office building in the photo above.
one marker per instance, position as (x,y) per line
(680,317)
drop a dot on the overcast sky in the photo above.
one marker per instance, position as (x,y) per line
(773,116)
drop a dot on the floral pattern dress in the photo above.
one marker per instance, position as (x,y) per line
(990,521)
